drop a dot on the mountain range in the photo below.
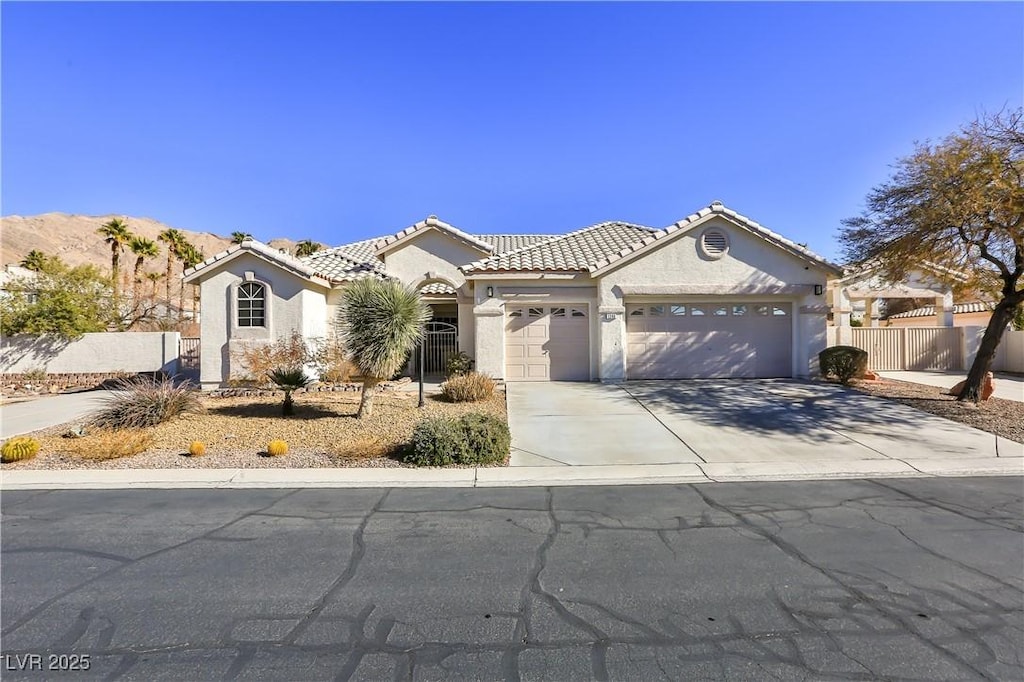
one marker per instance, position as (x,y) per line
(74,239)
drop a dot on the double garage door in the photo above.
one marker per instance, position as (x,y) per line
(709,340)
(547,343)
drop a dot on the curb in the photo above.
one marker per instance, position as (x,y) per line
(637,474)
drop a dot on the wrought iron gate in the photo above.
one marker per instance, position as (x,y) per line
(440,340)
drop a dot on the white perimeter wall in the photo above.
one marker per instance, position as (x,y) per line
(92,354)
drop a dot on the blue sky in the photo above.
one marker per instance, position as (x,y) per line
(337,122)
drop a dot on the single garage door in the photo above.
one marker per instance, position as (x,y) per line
(547,343)
(709,340)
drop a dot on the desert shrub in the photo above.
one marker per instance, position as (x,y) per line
(257,361)
(437,441)
(843,362)
(470,439)
(112,444)
(277,448)
(18,449)
(458,364)
(139,403)
(331,362)
(467,388)
(34,374)
(487,437)
(197,448)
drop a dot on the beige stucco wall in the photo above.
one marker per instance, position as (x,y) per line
(750,265)
(431,255)
(294,304)
(93,353)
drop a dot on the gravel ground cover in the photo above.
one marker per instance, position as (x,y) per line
(1004,418)
(324,432)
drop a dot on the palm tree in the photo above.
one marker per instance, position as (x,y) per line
(379,322)
(34,260)
(289,379)
(154,277)
(307,248)
(189,256)
(174,240)
(239,237)
(143,248)
(117,234)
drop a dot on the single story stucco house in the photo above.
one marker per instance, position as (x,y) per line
(712,295)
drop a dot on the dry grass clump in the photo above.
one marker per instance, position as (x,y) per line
(467,388)
(139,403)
(106,444)
(364,447)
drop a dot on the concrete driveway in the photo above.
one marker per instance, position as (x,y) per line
(728,421)
(46,411)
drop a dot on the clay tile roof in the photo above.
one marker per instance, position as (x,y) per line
(577,250)
(958,309)
(432,222)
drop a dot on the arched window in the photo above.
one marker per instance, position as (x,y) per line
(252,305)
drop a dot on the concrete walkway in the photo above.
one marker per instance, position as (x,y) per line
(46,411)
(1008,386)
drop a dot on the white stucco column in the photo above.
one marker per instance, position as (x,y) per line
(490,339)
(944,309)
(812,328)
(612,342)
(467,329)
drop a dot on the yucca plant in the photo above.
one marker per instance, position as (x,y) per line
(289,379)
(379,322)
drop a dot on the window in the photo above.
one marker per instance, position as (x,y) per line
(576,312)
(639,312)
(781,312)
(252,305)
(760,310)
(739,310)
(657,311)
(697,310)
(677,309)
(721,310)
(516,312)
(558,312)
(534,312)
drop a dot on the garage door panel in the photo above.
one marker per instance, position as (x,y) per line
(544,343)
(728,340)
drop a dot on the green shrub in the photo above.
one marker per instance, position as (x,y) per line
(471,439)
(457,365)
(138,403)
(18,449)
(289,379)
(467,388)
(843,362)
(487,437)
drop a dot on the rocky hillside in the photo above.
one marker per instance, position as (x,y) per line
(74,239)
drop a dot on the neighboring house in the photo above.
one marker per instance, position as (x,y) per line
(713,295)
(17,278)
(975,314)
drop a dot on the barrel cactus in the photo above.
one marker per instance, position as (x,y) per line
(19,449)
(277,448)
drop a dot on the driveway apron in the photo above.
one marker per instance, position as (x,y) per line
(727,421)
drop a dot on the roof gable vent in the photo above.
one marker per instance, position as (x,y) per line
(714,243)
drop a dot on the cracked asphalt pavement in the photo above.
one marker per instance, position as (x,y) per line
(898,579)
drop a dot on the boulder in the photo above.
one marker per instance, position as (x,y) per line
(987,387)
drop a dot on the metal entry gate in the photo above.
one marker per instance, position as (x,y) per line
(440,340)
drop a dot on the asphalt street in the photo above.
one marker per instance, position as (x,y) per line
(903,579)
